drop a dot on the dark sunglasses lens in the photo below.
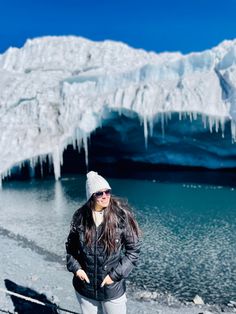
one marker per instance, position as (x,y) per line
(99,194)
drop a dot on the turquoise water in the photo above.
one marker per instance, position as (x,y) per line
(189,230)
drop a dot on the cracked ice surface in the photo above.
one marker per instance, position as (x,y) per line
(55,91)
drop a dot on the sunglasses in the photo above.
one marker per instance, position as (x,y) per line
(100,193)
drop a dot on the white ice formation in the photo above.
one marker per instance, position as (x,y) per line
(55,91)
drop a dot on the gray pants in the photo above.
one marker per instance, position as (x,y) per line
(89,306)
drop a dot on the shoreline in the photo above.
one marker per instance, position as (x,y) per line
(35,275)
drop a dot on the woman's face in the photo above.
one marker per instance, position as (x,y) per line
(102,199)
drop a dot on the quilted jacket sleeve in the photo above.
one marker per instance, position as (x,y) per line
(72,257)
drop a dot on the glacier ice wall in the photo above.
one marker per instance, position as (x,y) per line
(55,91)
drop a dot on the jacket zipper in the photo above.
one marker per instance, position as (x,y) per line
(95,264)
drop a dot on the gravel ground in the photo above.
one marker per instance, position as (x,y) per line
(31,273)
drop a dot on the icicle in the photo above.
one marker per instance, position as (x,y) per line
(233,131)
(78,139)
(194,115)
(50,161)
(61,157)
(204,121)
(33,162)
(145,129)
(222,124)
(150,124)
(217,125)
(41,162)
(85,144)
(1,182)
(190,117)
(115,96)
(180,115)
(211,123)
(79,144)
(56,163)
(32,172)
(74,138)
(166,117)
(120,95)
(162,125)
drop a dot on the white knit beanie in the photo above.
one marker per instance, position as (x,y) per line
(95,183)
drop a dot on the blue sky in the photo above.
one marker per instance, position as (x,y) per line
(161,25)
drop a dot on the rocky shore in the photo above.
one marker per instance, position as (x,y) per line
(32,274)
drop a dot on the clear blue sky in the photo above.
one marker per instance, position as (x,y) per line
(161,25)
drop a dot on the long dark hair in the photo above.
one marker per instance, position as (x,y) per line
(118,214)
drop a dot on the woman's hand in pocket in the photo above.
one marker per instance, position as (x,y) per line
(81,274)
(107,281)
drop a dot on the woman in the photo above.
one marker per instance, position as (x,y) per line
(102,248)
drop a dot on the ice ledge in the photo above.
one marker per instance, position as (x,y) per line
(55,91)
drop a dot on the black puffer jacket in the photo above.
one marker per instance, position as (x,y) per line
(97,264)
